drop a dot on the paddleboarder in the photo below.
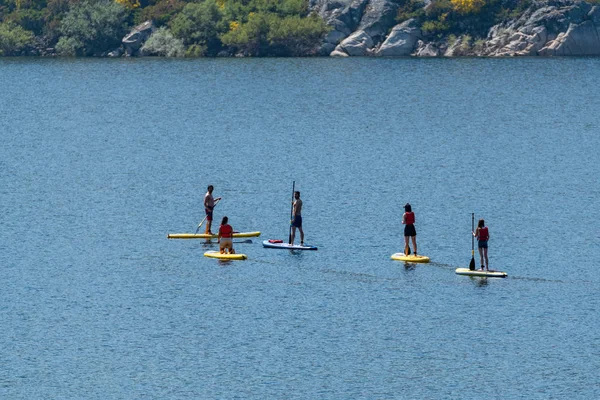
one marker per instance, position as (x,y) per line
(297,218)
(225,237)
(482,234)
(209,205)
(408,219)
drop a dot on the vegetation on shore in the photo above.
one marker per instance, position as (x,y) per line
(190,28)
(196,28)
(461,17)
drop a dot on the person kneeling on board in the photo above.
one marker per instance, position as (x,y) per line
(408,219)
(482,234)
(225,237)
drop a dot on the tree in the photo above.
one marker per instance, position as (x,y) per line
(91,28)
(295,36)
(200,24)
(14,39)
(268,34)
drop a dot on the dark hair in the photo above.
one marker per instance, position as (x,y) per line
(481,223)
(297,192)
(210,187)
(407,207)
(224,220)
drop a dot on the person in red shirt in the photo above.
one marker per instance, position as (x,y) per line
(408,219)
(482,234)
(225,237)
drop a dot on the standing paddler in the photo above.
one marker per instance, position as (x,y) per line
(408,219)
(297,218)
(209,205)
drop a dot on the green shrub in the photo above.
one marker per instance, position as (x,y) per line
(160,13)
(272,35)
(195,50)
(14,39)
(435,27)
(294,36)
(201,24)
(70,46)
(163,43)
(92,27)
(411,9)
(30,19)
(250,37)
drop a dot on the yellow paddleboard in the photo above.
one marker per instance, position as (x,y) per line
(222,256)
(410,258)
(205,236)
(479,272)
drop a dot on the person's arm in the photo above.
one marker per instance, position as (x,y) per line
(476,233)
(404,219)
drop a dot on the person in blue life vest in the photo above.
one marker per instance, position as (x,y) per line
(225,237)
(408,219)
(297,218)
(483,235)
(209,205)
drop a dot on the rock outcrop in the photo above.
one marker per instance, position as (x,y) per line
(567,28)
(546,28)
(369,20)
(357,44)
(402,40)
(134,41)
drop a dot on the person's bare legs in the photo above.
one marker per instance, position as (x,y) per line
(487,262)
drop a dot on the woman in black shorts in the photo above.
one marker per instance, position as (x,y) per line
(408,219)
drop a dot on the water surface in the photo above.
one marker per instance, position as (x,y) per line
(100,159)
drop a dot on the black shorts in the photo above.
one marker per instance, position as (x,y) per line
(409,230)
(482,244)
(297,221)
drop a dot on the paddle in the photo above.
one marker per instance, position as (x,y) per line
(201,222)
(292,212)
(472,263)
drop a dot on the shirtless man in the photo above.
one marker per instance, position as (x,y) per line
(209,204)
(297,218)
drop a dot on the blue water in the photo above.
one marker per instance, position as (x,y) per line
(101,159)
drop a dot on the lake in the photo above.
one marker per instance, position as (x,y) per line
(101,159)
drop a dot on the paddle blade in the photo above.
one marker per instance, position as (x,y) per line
(472,264)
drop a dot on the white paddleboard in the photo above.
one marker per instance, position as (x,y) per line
(281,245)
(479,272)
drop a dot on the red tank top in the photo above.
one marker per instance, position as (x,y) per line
(409,218)
(225,231)
(483,233)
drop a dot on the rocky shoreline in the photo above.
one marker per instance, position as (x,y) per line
(546,28)
(370,28)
